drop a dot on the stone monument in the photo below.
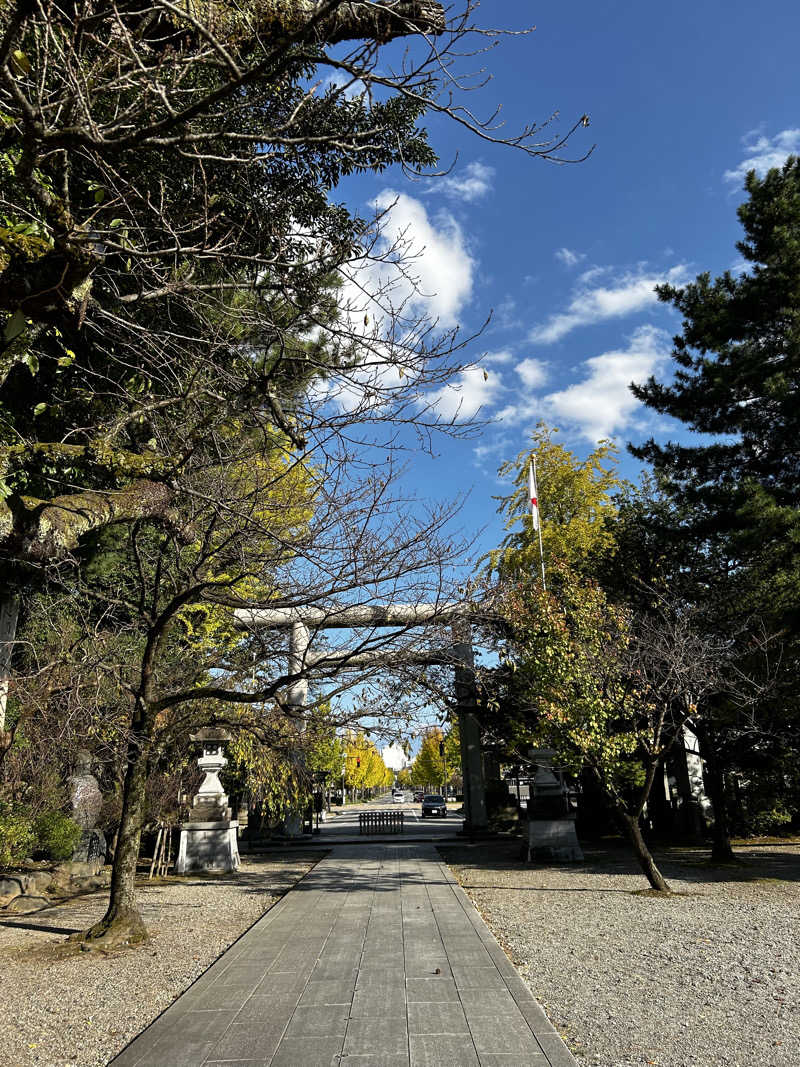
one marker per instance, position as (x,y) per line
(208,840)
(551,813)
(87,801)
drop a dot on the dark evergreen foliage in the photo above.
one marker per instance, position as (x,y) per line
(738,365)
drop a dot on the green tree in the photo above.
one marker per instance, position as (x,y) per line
(737,492)
(111,295)
(428,766)
(364,768)
(124,353)
(326,751)
(168,322)
(608,688)
(173,598)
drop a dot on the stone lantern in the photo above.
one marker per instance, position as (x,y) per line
(208,840)
(551,812)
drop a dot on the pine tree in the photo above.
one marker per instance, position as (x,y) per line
(737,378)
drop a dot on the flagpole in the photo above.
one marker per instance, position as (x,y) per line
(539,523)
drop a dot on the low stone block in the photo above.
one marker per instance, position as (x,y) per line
(207,847)
(553,839)
(36,882)
(91,849)
(10,887)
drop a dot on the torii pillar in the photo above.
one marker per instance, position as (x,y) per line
(302,621)
(475,817)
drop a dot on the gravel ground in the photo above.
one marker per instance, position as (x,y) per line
(80,1010)
(706,979)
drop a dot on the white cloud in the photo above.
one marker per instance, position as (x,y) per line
(475,388)
(629,293)
(591,274)
(394,757)
(602,404)
(482,386)
(505,317)
(513,413)
(533,372)
(763,153)
(491,452)
(474,182)
(345,84)
(417,273)
(437,270)
(568,257)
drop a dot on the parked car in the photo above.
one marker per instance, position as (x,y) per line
(434,804)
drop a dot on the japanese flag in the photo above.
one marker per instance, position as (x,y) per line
(533,496)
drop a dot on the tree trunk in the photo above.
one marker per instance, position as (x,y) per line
(643,855)
(122,924)
(9,613)
(721,849)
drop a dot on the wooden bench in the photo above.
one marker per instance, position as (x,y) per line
(380,822)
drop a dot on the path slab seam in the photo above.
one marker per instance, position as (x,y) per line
(377,956)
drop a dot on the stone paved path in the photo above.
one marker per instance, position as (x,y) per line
(376,958)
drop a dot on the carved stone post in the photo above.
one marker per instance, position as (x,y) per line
(208,840)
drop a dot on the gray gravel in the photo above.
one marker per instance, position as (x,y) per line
(709,979)
(81,1010)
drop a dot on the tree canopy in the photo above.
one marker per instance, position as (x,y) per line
(737,367)
(438,762)
(202,384)
(576,506)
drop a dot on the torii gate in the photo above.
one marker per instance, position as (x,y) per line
(301,621)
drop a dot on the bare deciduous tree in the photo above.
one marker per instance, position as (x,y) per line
(195,373)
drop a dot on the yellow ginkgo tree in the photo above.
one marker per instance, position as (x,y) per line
(576,500)
(364,767)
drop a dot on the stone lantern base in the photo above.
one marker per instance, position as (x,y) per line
(208,846)
(554,839)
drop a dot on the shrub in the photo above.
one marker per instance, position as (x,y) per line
(17,834)
(768,821)
(57,834)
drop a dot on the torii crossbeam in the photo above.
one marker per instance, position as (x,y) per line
(301,621)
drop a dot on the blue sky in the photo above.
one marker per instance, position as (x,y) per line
(682,99)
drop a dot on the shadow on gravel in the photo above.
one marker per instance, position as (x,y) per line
(776,863)
(766,865)
(41,927)
(550,888)
(268,880)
